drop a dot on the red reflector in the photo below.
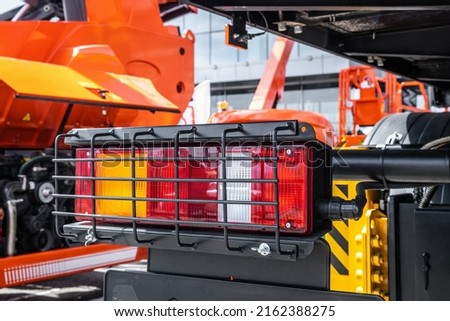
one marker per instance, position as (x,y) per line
(83,186)
(161,167)
(201,189)
(294,190)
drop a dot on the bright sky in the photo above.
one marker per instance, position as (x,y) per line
(8,4)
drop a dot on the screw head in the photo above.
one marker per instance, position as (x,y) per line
(264,249)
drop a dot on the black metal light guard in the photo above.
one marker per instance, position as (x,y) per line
(269,134)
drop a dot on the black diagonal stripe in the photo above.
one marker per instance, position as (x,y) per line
(343,189)
(345,222)
(342,270)
(340,240)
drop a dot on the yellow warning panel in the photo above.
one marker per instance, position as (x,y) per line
(359,248)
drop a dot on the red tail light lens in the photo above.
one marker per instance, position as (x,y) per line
(83,186)
(246,187)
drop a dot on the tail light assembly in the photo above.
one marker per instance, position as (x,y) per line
(228,181)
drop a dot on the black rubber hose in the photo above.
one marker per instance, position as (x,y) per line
(431,190)
(428,195)
(438,143)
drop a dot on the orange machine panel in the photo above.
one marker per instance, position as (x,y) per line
(125,38)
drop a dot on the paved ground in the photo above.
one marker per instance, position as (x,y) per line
(84,286)
(81,287)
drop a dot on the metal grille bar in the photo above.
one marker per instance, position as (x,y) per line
(138,179)
(192,130)
(224,185)
(275,187)
(57,181)
(110,133)
(133,185)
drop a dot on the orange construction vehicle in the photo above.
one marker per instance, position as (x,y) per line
(369,97)
(238,211)
(66,64)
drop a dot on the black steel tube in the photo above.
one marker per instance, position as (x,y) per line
(9,198)
(408,166)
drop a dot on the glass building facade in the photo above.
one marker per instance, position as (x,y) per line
(312,74)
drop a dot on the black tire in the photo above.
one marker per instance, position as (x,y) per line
(416,129)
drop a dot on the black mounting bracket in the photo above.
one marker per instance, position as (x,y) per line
(236,35)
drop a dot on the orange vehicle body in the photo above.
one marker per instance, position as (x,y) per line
(323,128)
(120,67)
(121,40)
(369,98)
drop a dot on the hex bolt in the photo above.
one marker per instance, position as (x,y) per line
(46,192)
(376,242)
(377,260)
(377,277)
(263,249)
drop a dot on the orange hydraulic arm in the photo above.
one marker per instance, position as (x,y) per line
(271,85)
